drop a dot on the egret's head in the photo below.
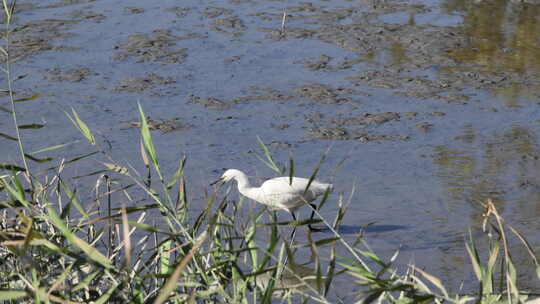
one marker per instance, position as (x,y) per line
(227,176)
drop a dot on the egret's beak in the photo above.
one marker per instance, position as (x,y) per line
(219,181)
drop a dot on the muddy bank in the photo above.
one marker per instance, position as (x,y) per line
(159,46)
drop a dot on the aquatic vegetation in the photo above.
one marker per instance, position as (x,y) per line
(122,236)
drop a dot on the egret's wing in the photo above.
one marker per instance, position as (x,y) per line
(299,185)
(282,185)
(279,193)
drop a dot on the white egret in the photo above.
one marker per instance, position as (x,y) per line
(279,193)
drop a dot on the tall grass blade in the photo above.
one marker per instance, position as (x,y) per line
(38,160)
(330,269)
(433,280)
(7,11)
(11,167)
(8,137)
(33,97)
(82,126)
(420,284)
(165,257)
(91,252)
(10,295)
(269,290)
(12,8)
(86,282)
(323,242)
(530,250)
(272,243)
(269,161)
(126,236)
(147,141)
(60,280)
(372,256)
(318,267)
(291,170)
(149,228)
(106,296)
(487,279)
(17,191)
(250,242)
(146,163)
(315,172)
(8,14)
(83,156)
(511,277)
(178,173)
(55,147)
(475,258)
(324,199)
(31,126)
(4,109)
(173,279)
(117,168)
(72,196)
(358,270)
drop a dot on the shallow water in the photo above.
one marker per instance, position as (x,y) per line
(459,80)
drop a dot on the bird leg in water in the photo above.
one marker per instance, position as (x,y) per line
(311,228)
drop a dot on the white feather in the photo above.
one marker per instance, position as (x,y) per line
(279,192)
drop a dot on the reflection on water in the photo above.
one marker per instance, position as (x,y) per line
(500,167)
(295,277)
(398,53)
(514,94)
(502,36)
(498,46)
(503,166)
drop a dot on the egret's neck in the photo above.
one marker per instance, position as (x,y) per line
(244,186)
(243,182)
